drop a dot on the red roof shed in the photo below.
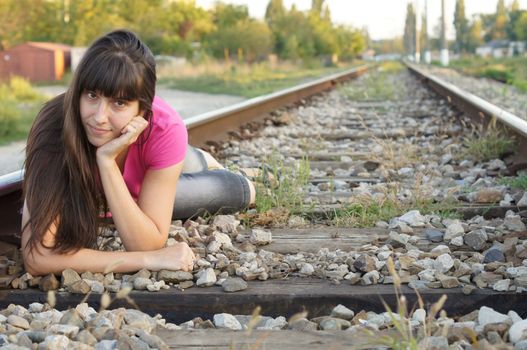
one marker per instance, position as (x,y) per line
(35,61)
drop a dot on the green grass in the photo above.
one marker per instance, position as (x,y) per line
(375,86)
(19,104)
(279,192)
(519,181)
(366,212)
(492,144)
(512,71)
(246,80)
(284,188)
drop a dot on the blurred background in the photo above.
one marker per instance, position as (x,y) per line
(211,54)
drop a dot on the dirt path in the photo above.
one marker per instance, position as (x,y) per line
(186,103)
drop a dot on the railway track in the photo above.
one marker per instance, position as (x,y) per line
(378,168)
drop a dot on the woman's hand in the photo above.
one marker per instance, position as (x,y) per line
(129,134)
(176,257)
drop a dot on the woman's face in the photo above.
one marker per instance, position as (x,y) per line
(104,117)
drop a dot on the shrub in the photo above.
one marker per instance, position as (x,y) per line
(10,116)
(22,90)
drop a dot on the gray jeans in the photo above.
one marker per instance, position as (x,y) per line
(201,191)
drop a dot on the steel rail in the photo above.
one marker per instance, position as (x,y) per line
(215,125)
(479,110)
(210,126)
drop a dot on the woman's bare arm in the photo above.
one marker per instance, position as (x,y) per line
(42,261)
(143,225)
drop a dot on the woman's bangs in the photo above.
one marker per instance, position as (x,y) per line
(113,77)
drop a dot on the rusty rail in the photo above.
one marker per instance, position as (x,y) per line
(480,111)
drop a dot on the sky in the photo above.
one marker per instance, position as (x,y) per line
(384,19)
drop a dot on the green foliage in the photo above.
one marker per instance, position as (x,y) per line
(9,117)
(365,212)
(22,90)
(18,106)
(377,86)
(299,35)
(520,29)
(512,70)
(497,72)
(519,181)
(247,40)
(462,27)
(180,27)
(491,144)
(409,29)
(284,188)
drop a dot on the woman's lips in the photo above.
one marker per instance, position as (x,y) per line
(97,131)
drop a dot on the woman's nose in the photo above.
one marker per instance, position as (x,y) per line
(101,112)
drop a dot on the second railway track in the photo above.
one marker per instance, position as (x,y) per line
(380,167)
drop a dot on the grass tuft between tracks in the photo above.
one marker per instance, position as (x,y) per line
(490,144)
(279,191)
(375,86)
(366,212)
(519,181)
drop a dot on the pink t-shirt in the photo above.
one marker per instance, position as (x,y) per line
(166,146)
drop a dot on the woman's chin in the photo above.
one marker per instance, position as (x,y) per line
(97,142)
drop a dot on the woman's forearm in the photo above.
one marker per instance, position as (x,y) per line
(45,261)
(137,231)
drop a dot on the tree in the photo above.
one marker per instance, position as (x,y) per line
(521,27)
(500,21)
(409,30)
(350,42)
(275,9)
(514,16)
(324,35)
(461,26)
(228,15)
(250,38)
(423,39)
(317,6)
(475,35)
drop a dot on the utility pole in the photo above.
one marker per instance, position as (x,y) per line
(428,55)
(444,47)
(417,41)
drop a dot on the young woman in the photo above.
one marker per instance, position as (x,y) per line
(108,146)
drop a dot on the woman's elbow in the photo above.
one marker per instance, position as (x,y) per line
(36,264)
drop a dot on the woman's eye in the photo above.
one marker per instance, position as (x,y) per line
(120,103)
(91,95)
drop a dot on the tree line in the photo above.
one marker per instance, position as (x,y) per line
(180,27)
(507,23)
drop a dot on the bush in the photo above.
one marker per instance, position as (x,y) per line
(10,116)
(22,90)
(498,73)
(19,103)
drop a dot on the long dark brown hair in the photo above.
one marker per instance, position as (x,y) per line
(61,184)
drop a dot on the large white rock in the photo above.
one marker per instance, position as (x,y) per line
(455,229)
(260,237)
(518,331)
(227,321)
(207,278)
(413,218)
(443,263)
(487,315)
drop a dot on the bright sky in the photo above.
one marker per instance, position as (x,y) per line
(383,18)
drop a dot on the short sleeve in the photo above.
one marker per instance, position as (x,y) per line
(166,146)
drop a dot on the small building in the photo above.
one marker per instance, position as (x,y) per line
(501,48)
(35,61)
